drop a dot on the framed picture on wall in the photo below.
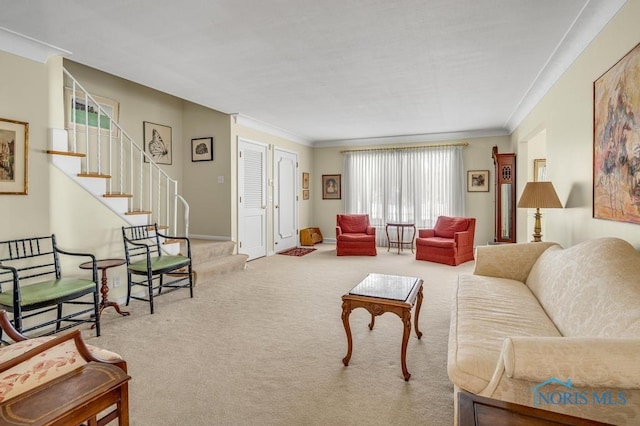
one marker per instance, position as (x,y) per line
(202,149)
(331,187)
(14,152)
(478,181)
(305,180)
(79,110)
(305,194)
(157,142)
(539,170)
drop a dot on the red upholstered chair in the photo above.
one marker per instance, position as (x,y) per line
(354,235)
(449,242)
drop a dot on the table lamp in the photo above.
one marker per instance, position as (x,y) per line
(539,195)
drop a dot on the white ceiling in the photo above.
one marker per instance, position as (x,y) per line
(328,70)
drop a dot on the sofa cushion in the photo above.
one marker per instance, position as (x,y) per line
(356,237)
(436,242)
(447,226)
(354,223)
(485,311)
(590,289)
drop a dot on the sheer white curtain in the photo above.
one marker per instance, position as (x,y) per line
(405,185)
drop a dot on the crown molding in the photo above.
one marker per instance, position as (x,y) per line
(28,47)
(252,123)
(427,137)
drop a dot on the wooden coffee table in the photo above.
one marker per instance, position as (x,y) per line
(378,294)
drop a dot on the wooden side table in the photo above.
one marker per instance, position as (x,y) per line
(103,265)
(475,410)
(400,242)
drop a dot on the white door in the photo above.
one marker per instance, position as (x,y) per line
(252,199)
(285,200)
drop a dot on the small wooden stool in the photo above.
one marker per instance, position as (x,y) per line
(71,399)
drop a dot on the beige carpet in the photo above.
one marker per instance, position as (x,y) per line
(264,347)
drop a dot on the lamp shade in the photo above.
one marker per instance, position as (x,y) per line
(539,195)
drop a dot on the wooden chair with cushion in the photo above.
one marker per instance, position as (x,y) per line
(32,286)
(60,380)
(147,263)
(450,241)
(355,236)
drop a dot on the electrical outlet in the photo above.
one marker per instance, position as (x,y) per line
(116,282)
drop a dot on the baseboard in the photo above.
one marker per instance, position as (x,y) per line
(210,237)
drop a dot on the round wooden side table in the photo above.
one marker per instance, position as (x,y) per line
(400,242)
(103,265)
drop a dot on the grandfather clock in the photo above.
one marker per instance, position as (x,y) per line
(505,192)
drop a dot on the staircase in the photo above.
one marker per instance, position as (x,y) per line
(105,161)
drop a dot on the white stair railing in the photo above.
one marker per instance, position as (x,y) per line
(112,154)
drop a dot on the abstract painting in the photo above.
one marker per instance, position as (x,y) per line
(616,141)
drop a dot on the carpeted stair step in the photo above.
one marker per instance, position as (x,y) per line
(212,258)
(204,250)
(221,265)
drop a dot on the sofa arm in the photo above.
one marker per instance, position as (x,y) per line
(371,230)
(587,361)
(338,231)
(426,233)
(512,261)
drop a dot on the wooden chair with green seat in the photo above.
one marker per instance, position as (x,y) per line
(32,286)
(147,262)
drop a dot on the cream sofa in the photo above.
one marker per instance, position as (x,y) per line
(554,328)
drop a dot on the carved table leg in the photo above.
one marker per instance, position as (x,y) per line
(373,322)
(406,320)
(104,290)
(417,314)
(346,311)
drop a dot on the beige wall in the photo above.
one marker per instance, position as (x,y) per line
(24,92)
(476,156)
(208,198)
(566,113)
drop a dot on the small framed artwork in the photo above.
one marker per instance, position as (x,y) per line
(14,152)
(331,187)
(202,149)
(539,170)
(305,180)
(478,181)
(305,194)
(80,109)
(157,142)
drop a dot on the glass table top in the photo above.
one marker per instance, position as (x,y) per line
(393,287)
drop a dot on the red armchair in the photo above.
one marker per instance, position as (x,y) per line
(354,235)
(449,242)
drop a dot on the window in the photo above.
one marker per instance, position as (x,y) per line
(405,185)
